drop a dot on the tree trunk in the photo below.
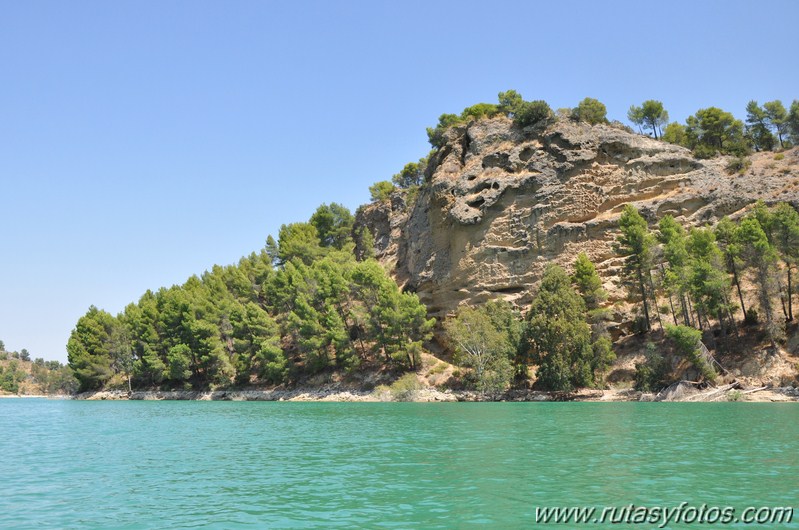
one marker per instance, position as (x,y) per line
(686,315)
(655,299)
(790,305)
(694,313)
(644,297)
(738,286)
(782,301)
(731,315)
(671,303)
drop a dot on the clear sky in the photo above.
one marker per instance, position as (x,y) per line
(142,141)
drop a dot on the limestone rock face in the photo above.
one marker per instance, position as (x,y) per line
(502,203)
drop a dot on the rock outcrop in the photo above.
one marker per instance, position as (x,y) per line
(502,203)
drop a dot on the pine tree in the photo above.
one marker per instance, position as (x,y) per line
(760,256)
(589,286)
(708,284)
(557,337)
(786,239)
(635,244)
(673,238)
(727,237)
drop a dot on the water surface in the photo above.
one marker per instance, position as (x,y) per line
(79,464)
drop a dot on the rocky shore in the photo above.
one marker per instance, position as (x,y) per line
(432,395)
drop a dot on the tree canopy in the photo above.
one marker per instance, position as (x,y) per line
(591,111)
(650,116)
(319,308)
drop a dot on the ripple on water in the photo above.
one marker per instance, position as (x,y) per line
(77,464)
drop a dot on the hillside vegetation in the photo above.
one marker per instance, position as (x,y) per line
(22,376)
(323,298)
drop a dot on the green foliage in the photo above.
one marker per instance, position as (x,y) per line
(298,241)
(758,128)
(636,244)
(687,343)
(364,244)
(713,130)
(785,229)
(532,113)
(675,133)
(739,165)
(11,376)
(479,111)
(381,191)
(53,377)
(760,257)
(249,323)
(792,121)
(653,374)
(485,339)
(707,281)
(397,321)
(411,175)
(405,388)
(704,152)
(587,282)
(333,225)
(591,111)
(650,116)
(179,360)
(752,317)
(435,135)
(589,286)
(89,349)
(509,102)
(777,119)
(557,337)
(603,356)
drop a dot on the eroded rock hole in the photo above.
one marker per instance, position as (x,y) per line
(476,202)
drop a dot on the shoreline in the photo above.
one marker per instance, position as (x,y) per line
(425,395)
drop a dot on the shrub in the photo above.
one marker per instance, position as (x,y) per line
(653,374)
(591,111)
(738,165)
(405,388)
(480,111)
(703,151)
(687,342)
(381,191)
(752,318)
(533,113)
(779,156)
(438,368)
(435,135)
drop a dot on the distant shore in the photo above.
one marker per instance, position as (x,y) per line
(427,395)
(37,396)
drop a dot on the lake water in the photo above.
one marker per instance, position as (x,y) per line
(79,464)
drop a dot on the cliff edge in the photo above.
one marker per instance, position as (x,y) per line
(501,202)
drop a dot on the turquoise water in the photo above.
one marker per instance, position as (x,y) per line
(78,464)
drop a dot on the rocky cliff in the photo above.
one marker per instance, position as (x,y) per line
(501,203)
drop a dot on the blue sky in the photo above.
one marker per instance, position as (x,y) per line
(142,142)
